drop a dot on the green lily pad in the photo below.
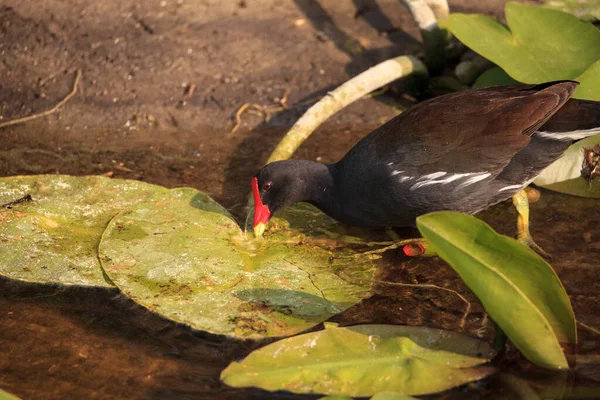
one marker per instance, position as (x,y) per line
(564,175)
(53,238)
(539,45)
(183,256)
(363,361)
(518,289)
(584,9)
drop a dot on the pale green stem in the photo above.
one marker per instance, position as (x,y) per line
(350,91)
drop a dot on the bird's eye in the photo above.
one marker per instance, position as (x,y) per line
(266,185)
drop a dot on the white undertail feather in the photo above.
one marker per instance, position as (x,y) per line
(572,135)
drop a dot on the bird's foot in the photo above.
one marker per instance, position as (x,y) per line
(528,241)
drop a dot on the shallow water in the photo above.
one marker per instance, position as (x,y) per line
(91,343)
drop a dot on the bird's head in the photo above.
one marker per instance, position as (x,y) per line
(283,183)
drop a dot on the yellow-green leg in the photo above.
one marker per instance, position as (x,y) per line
(521,203)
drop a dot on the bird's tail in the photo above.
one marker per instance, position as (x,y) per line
(576,120)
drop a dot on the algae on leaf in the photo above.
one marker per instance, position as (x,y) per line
(182,255)
(53,238)
(364,360)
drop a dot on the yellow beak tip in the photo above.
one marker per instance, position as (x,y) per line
(259,229)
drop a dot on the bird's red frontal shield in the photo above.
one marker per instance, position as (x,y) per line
(261,211)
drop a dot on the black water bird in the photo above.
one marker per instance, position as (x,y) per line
(463,151)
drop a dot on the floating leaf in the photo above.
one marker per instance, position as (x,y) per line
(584,9)
(518,289)
(564,175)
(363,361)
(542,44)
(182,255)
(53,238)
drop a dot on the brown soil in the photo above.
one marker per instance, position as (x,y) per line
(134,116)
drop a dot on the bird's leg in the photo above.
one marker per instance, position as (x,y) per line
(521,203)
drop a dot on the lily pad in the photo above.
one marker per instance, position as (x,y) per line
(54,236)
(364,360)
(518,289)
(183,256)
(564,175)
(539,45)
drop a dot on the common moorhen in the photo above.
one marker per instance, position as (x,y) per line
(463,151)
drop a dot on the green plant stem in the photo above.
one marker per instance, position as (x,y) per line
(352,90)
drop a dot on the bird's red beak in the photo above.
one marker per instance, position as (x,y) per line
(261,212)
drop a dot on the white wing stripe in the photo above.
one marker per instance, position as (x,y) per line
(474,177)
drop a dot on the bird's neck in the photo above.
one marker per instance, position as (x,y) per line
(321,188)
(317,181)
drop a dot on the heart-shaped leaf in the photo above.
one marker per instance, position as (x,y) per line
(54,236)
(539,45)
(518,289)
(564,175)
(182,255)
(364,360)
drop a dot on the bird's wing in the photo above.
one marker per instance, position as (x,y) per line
(470,131)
